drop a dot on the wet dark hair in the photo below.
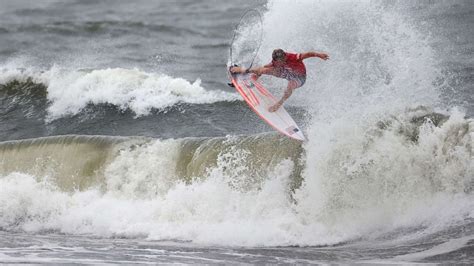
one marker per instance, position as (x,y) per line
(278,54)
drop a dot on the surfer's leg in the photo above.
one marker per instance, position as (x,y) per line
(292,84)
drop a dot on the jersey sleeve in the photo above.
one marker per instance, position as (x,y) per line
(293,57)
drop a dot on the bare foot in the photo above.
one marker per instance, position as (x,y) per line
(274,108)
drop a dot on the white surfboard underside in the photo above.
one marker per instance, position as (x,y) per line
(260,99)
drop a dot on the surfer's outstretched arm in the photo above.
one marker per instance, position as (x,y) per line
(314,54)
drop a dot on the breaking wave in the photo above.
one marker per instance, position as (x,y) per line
(380,162)
(69,92)
(397,175)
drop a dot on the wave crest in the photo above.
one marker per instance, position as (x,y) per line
(69,92)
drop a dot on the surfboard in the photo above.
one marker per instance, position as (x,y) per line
(260,99)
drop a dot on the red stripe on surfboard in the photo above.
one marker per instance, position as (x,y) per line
(239,89)
(261,88)
(257,102)
(247,84)
(248,95)
(264,91)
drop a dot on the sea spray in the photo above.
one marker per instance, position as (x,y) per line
(379,61)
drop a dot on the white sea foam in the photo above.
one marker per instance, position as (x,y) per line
(362,186)
(379,62)
(360,181)
(70,91)
(210,211)
(374,182)
(451,245)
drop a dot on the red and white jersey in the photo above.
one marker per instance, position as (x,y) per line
(293,63)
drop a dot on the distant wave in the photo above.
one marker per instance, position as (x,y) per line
(69,92)
(93,27)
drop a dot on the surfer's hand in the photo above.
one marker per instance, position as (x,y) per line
(236,70)
(324,56)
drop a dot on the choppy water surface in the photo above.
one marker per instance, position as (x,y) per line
(121,142)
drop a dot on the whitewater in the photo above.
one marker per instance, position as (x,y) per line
(117,149)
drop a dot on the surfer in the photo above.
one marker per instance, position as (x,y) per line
(284,65)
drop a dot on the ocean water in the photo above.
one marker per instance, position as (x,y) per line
(120,141)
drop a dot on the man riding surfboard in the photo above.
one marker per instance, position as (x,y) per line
(284,65)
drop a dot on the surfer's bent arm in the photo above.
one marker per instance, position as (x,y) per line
(255,70)
(323,56)
(268,65)
(266,69)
